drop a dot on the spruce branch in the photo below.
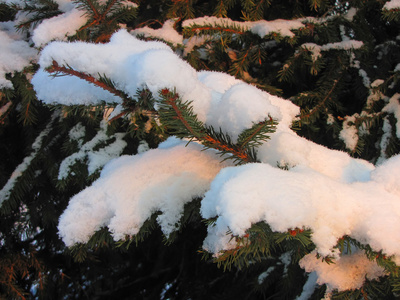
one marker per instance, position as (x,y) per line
(109,7)
(223,144)
(221,9)
(305,116)
(260,242)
(254,136)
(20,181)
(14,266)
(391,14)
(37,11)
(90,7)
(254,10)
(287,71)
(180,119)
(28,112)
(240,64)
(182,9)
(103,82)
(211,29)
(104,18)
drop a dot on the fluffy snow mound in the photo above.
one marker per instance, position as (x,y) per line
(324,190)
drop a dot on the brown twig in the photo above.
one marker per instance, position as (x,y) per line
(218,28)
(56,68)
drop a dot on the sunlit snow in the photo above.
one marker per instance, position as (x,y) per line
(15,55)
(324,190)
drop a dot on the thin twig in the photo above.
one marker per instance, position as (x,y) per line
(56,68)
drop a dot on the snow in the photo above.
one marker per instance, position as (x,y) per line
(15,55)
(304,198)
(283,27)
(134,64)
(53,90)
(65,5)
(58,27)
(343,45)
(349,132)
(385,139)
(131,63)
(128,4)
(366,81)
(286,260)
(10,29)
(377,83)
(309,287)
(167,32)
(265,274)
(8,2)
(324,190)
(393,4)
(4,108)
(394,107)
(195,41)
(374,93)
(262,27)
(143,147)
(132,188)
(349,16)
(286,148)
(314,49)
(347,274)
(55,28)
(96,159)
(113,112)
(330,120)
(238,115)
(77,133)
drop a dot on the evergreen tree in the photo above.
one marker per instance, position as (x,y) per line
(199,149)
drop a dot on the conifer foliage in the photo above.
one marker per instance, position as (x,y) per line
(199,149)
